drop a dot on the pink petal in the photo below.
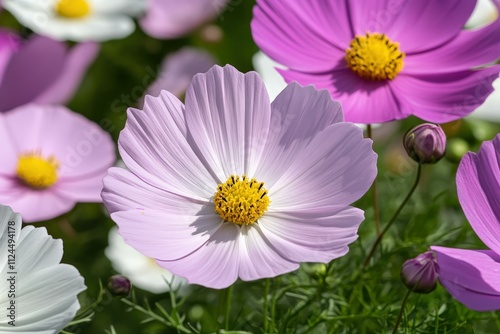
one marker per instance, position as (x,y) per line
(310,36)
(470,276)
(74,68)
(298,114)
(165,236)
(357,95)
(309,237)
(125,191)
(443,98)
(228,116)
(215,264)
(153,145)
(478,187)
(259,257)
(172,18)
(338,166)
(9,45)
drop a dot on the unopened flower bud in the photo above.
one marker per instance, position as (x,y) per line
(426,143)
(421,273)
(119,286)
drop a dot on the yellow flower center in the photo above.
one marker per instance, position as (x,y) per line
(374,57)
(37,172)
(73,8)
(241,201)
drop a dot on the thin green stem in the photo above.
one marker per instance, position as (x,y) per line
(393,219)
(376,210)
(266,303)
(227,307)
(401,312)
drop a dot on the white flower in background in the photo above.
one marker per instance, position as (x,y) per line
(142,271)
(77,20)
(41,297)
(266,67)
(484,13)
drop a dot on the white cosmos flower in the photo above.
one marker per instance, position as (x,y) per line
(484,13)
(42,290)
(77,20)
(141,270)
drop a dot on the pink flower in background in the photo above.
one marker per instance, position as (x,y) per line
(51,159)
(383,59)
(169,19)
(231,186)
(40,69)
(178,70)
(472,276)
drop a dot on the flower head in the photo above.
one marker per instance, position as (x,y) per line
(420,274)
(425,143)
(40,70)
(244,188)
(77,20)
(52,158)
(45,290)
(168,19)
(382,59)
(472,276)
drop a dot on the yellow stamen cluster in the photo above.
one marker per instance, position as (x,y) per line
(241,201)
(73,8)
(37,172)
(375,57)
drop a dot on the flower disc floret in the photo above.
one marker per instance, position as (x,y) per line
(73,8)
(375,57)
(241,201)
(36,171)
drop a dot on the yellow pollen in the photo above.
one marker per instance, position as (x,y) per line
(241,201)
(375,57)
(73,8)
(37,172)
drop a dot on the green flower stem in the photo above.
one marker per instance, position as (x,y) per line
(393,219)
(401,312)
(376,211)
(266,303)
(229,294)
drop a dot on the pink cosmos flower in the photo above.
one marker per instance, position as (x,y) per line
(51,159)
(383,59)
(169,19)
(231,186)
(472,276)
(40,69)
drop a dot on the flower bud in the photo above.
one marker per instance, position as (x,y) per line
(426,143)
(119,286)
(421,273)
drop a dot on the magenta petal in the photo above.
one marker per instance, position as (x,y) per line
(443,98)
(74,68)
(309,37)
(215,264)
(25,79)
(259,257)
(298,114)
(478,187)
(9,44)
(165,236)
(309,237)
(470,276)
(228,115)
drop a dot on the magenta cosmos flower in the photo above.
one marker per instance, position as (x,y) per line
(169,19)
(51,158)
(232,186)
(40,69)
(383,59)
(473,276)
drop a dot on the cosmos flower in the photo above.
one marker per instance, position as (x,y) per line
(38,293)
(484,13)
(382,59)
(40,69)
(77,20)
(167,19)
(244,188)
(142,271)
(51,159)
(472,276)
